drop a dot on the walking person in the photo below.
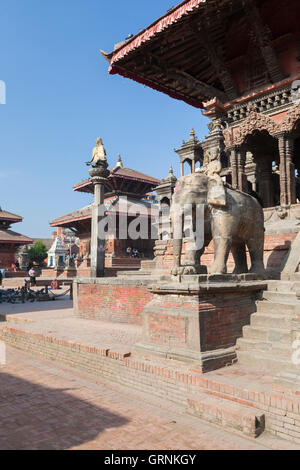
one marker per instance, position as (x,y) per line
(32,276)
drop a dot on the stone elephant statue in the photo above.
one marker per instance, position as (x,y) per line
(232,219)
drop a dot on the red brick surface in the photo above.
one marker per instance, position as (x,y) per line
(167,330)
(49,406)
(181,385)
(117,303)
(275,250)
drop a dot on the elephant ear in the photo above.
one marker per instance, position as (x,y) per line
(216,193)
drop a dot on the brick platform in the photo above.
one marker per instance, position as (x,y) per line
(231,397)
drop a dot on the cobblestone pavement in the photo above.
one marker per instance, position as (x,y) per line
(44,405)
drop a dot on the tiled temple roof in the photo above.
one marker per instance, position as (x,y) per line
(8,236)
(124,173)
(116,204)
(12,218)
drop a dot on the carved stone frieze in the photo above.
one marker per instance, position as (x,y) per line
(293,115)
(254,122)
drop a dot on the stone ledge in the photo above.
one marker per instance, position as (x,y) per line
(199,285)
(204,361)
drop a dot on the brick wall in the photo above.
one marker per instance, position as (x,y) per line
(6,259)
(111,301)
(167,330)
(275,251)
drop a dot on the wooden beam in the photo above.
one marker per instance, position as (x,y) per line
(264,41)
(216,60)
(186,80)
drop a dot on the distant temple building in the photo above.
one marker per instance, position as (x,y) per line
(129,195)
(10,241)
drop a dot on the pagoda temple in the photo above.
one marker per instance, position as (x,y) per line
(10,241)
(128,194)
(238,61)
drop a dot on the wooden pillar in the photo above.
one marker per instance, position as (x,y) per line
(233,164)
(242,178)
(290,167)
(287,170)
(181,169)
(266,189)
(193,166)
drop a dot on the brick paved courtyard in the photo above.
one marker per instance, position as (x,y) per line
(44,405)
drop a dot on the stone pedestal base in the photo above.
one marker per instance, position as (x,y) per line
(198,319)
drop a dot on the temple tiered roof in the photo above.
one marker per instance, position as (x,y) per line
(118,205)
(212,49)
(9,217)
(8,236)
(123,181)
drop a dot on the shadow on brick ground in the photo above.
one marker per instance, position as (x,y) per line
(32,307)
(38,418)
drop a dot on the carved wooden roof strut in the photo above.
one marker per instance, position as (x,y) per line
(263,38)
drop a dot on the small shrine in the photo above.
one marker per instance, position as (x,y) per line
(57,254)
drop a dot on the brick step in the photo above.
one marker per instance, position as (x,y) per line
(281,297)
(267,334)
(265,306)
(269,320)
(125,262)
(149,264)
(230,415)
(256,360)
(284,351)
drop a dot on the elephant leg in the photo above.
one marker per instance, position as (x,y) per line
(222,248)
(190,261)
(240,258)
(177,228)
(177,248)
(256,249)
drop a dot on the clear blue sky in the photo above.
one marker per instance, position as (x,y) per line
(60,98)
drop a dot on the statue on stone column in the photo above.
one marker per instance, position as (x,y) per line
(99,155)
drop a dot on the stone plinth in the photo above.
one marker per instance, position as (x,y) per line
(199,318)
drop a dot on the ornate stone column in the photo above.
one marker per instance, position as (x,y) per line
(98,173)
(99,179)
